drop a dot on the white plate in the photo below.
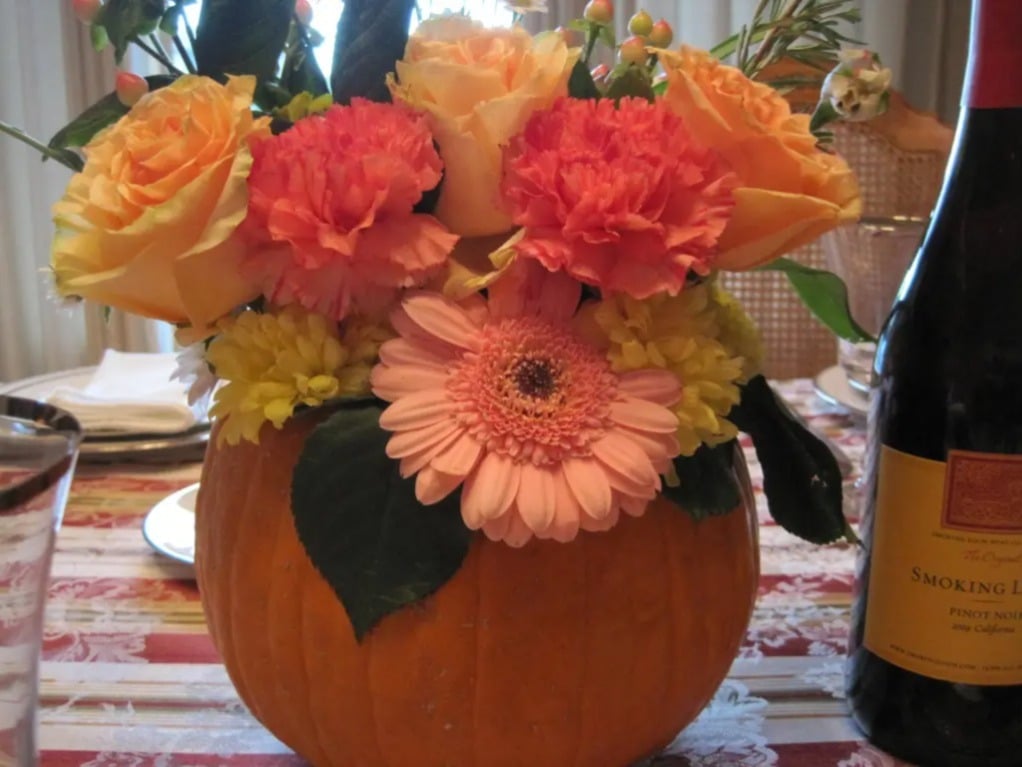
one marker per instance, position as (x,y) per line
(832,385)
(97,446)
(169,527)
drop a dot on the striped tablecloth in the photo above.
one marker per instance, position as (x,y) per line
(130,677)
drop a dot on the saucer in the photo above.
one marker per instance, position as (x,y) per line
(169,527)
(832,386)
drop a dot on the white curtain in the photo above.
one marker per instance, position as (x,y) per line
(52,74)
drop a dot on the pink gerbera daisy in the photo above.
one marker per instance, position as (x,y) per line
(506,398)
(331,209)
(618,196)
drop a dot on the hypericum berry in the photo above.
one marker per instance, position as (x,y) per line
(86,10)
(633,51)
(599,12)
(661,35)
(130,88)
(641,24)
(303,10)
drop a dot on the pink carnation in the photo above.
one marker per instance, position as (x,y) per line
(330,209)
(505,397)
(618,197)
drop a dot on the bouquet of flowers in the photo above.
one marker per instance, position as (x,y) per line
(492,259)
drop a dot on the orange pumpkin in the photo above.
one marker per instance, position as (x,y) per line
(594,653)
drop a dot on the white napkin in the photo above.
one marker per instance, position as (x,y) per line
(132,394)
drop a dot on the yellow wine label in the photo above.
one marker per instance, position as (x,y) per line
(945,573)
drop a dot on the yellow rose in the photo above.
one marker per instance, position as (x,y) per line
(790,192)
(149,225)
(478,86)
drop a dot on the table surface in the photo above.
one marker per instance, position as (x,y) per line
(130,677)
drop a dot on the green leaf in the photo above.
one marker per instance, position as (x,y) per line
(823,114)
(801,478)
(127,19)
(170,20)
(301,72)
(633,81)
(104,112)
(371,36)
(99,38)
(606,36)
(241,37)
(707,485)
(361,525)
(825,295)
(65,157)
(580,84)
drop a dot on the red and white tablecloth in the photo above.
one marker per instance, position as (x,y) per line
(130,677)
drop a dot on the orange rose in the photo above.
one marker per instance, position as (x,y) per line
(149,225)
(478,87)
(790,191)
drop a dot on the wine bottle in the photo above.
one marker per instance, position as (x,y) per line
(935,657)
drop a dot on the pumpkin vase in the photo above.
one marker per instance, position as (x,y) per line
(594,653)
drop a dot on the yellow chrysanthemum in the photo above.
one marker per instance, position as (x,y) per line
(271,363)
(682,334)
(303,105)
(738,332)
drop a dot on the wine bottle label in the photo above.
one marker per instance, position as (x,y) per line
(945,576)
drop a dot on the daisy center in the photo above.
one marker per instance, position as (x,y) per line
(534,391)
(534,378)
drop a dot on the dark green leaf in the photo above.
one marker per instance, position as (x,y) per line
(707,484)
(66,157)
(371,36)
(242,37)
(825,295)
(801,478)
(301,71)
(127,19)
(361,525)
(104,112)
(581,85)
(170,20)
(633,81)
(823,114)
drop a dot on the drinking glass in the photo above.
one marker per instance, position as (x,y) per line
(871,256)
(38,450)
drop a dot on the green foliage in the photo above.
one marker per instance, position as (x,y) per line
(707,485)
(806,31)
(631,80)
(125,20)
(300,72)
(361,524)
(242,37)
(581,84)
(801,478)
(825,295)
(104,112)
(371,36)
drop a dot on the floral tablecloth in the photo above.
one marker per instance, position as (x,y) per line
(130,677)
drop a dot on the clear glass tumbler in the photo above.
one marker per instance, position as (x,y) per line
(871,256)
(38,450)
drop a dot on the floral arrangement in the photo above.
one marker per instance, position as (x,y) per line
(487,262)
